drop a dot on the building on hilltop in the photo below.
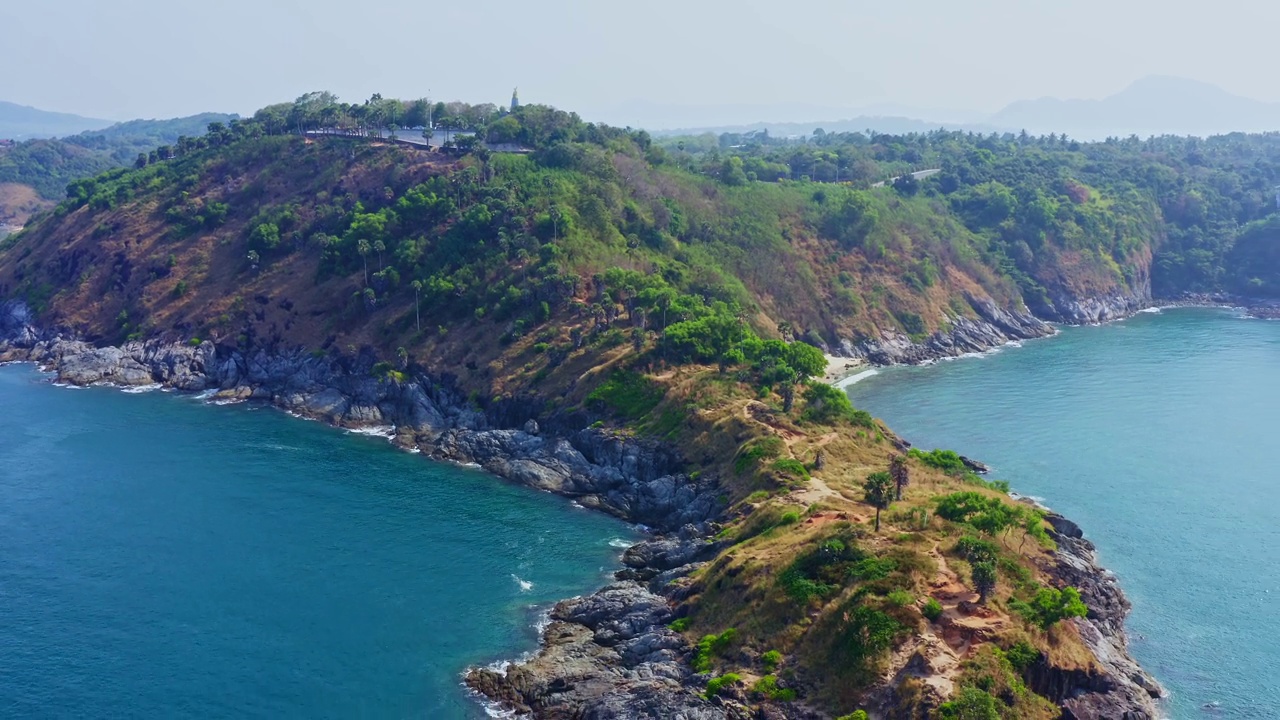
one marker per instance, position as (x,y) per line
(515,99)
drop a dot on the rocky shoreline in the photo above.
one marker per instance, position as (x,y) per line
(610,654)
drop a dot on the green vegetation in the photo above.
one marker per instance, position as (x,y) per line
(767,687)
(879,491)
(717,684)
(1051,605)
(711,646)
(49,165)
(932,610)
(771,660)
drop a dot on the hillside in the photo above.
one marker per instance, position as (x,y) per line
(20,122)
(649,317)
(44,167)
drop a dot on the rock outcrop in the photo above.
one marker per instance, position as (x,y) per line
(992,328)
(1119,689)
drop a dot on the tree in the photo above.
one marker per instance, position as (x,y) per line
(417,303)
(983,573)
(970,704)
(879,492)
(363,247)
(901,474)
(141,162)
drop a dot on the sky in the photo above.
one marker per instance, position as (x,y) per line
(623,63)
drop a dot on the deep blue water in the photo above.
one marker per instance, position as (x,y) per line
(1159,436)
(160,558)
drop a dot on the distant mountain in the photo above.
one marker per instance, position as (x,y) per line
(1157,105)
(19,122)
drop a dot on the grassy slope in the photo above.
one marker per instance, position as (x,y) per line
(138,259)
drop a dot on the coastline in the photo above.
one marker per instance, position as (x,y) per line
(600,654)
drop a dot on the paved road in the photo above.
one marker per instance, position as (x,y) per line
(917,175)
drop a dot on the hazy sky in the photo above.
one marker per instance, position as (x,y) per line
(120,59)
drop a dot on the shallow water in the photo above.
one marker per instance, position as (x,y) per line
(160,557)
(1158,436)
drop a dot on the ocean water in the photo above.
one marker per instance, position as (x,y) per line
(163,558)
(1159,435)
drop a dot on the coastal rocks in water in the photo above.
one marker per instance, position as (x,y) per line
(608,655)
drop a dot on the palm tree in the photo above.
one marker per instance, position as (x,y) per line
(417,293)
(363,247)
(879,492)
(901,474)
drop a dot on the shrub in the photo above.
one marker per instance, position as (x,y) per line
(794,468)
(826,404)
(709,646)
(970,704)
(947,461)
(1051,605)
(767,686)
(715,685)
(771,660)
(679,625)
(872,568)
(932,610)
(765,448)
(855,715)
(791,517)
(628,394)
(1022,655)
(901,598)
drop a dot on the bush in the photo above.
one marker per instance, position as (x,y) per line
(791,517)
(794,468)
(679,625)
(901,598)
(855,715)
(709,646)
(715,685)
(947,461)
(932,610)
(771,660)
(970,704)
(628,394)
(1051,605)
(1022,655)
(826,404)
(767,687)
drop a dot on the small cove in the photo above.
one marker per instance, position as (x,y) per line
(161,557)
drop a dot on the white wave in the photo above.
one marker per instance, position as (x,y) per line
(226,401)
(542,620)
(139,389)
(1013,344)
(525,585)
(857,378)
(382,431)
(207,394)
(68,386)
(1150,310)
(576,504)
(620,543)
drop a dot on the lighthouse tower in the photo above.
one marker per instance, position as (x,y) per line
(515,105)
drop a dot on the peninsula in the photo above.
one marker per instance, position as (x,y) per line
(641,326)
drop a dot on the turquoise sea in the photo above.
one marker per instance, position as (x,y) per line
(164,558)
(1159,436)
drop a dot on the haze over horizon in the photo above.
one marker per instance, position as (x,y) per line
(156,59)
